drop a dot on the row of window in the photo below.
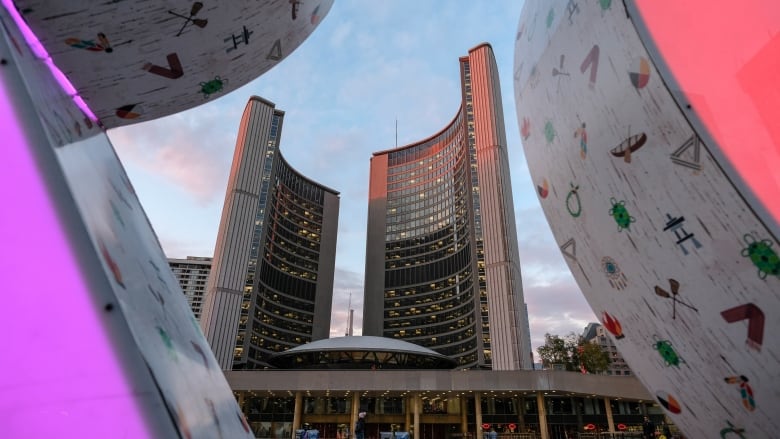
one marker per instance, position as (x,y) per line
(435,159)
(418,152)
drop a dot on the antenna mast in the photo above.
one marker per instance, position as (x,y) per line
(350,314)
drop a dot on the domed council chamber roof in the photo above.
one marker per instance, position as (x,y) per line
(361,352)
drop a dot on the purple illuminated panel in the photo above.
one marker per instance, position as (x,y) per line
(75,240)
(61,377)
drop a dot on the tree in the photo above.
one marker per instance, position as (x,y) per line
(573,353)
(560,351)
(592,358)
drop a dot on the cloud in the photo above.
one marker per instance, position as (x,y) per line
(340,35)
(183,149)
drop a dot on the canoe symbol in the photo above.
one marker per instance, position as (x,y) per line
(626,147)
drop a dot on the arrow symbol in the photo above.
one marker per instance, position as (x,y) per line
(755,317)
(592,61)
(173,71)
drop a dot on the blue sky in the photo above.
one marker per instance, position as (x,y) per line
(367,65)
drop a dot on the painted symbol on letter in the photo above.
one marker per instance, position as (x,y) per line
(315,17)
(201,23)
(612,325)
(525,129)
(166,339)
(615,276)
(641,76)
(667,352)
(276,51)
(732,429)
(744,390)
(295,5)
(675,287)
(213,86)
(694,164)
(173,71)
(543,189)
(669,402)
(572,8)
(591,61)
(675,225)
(570,244)
(242,38)
(573,204)
(755,318)
(112,265)
(621,215)
(583,135)
(130,111)
(628,146)
(762,256)
(101,46)
(549,132)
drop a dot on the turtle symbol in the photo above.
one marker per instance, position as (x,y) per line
(621,215)
(762,256)
(667,352)
(210,87)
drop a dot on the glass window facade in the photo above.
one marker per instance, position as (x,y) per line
(429,270)
(277,312)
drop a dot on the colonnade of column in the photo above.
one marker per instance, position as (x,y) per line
(412,417)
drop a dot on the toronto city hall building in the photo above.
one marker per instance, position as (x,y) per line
(271,282)
(442,262)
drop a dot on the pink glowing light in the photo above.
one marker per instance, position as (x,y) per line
(726,62)
(40,52)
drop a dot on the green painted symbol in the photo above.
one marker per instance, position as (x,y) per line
(621,215)
(213,86)
(549,131)
(605,4)
(573,204)
(166,340)
(667,352)
(762,256)
(732,429)
(550,17)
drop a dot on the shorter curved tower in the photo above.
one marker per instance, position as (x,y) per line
(442,262)
(271,282)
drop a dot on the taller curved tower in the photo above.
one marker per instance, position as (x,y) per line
(442,263)
(271,281)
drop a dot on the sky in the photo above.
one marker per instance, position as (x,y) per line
(367,65)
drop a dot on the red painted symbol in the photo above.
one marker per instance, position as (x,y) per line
(613,325)
(174,71)
(755,317)
(543,189)
(592,61)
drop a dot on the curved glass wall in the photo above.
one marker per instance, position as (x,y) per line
(429,271)
(280,314)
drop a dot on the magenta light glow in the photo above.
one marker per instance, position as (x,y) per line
(60,375)
(39,51)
